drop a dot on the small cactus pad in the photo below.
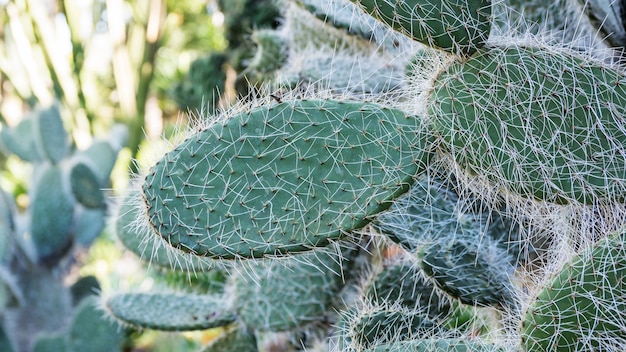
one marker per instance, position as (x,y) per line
(91,331)
(367,329)
(473,269)
(541,123)
(439,345)
(85,186)
(583,308)
(279,295)
(283,178)
(50,137)
(170,312)
(403,284)
(52,213)
(457,26)
(20,140)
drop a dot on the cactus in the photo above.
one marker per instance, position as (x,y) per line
(511,138)
(582,307)
(169,312)
(460,27)
(366,155)
(494,158)
(276,296)
(66,212)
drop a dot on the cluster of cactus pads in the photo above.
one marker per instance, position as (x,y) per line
(65,212)
(419,178)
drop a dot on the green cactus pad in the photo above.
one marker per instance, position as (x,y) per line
(283,178)
(279,295)
(439,345)
(84,287)
(85,186)
(349,74)
(233,339)
(583,308)
(457,26)
(101,158)
(170,312)
(541,123)
(51,138)
(152,249)
(368,329)
(403,284)
(91,331)
(52,213)
(474,270)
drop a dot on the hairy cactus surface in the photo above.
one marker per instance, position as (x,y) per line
(475,159)
(456,26)
(287,177)
(544,123)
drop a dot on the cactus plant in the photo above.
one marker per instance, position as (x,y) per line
(509,148)
(66,211)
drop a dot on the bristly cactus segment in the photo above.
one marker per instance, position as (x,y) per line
(539,122)
(284,178)
(170,312)
(456,26)
(583,308)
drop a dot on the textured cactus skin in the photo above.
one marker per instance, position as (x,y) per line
(277,296)
(473,270)
(438,345)
(583,307)
(366,330)
(402,284)
(502,116)
(456,26)
(169,311)
(51,138)
(146,248)
(280,178)
(524,142)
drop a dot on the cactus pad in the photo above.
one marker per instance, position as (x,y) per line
(152,250)
(169,312)
(280,295)
(458,26)
(473,269)
(540,123)
(583,308)
(285,177)
(439,345)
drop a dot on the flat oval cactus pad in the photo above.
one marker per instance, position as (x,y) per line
(283,178)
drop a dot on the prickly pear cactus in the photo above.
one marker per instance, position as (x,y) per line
(292,176)
(479,168)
